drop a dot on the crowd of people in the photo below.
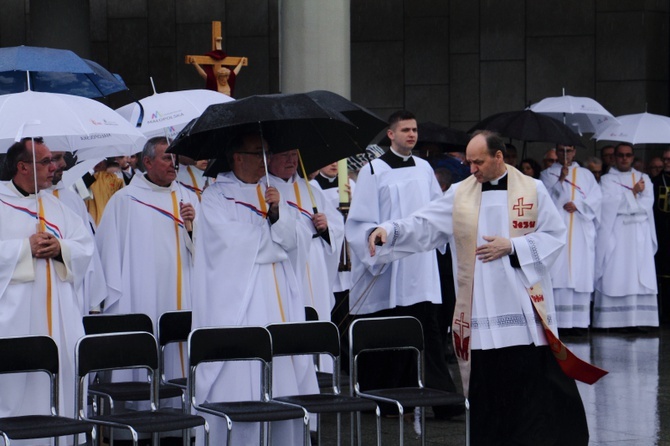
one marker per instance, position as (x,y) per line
(509,256)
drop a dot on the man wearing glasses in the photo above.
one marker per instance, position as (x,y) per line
(625,295)
(46,250)
(577,196)
(662,219)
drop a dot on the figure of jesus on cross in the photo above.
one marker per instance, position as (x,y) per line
(212,66)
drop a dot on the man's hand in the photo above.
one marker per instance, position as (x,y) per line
(44,246)
(570,207)
(639,187)
(187,211)
(272,199)
(320,222)
(377,237)
(496,248)
(564,173)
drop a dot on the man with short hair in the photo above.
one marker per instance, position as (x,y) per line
(393,186)
(549,158)
(595,166)
(662,220)
(245,241)
(626,277)
(144,240)
(46,251)
(655,167)
(577,197)
(607,156)
(504,233)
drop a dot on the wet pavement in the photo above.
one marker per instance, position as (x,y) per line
(628,407)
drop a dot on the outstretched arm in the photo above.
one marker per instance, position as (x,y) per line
(198,68)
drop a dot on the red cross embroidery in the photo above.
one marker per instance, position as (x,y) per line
(519,207)
(461,343)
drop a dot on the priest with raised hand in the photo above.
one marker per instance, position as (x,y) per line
(45,252)
(244,276)
(504,232)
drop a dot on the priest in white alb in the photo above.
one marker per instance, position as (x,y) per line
(626,287)
(576,194)
(191,174)
(144,240)
(244,276)
(505,233)
(45,251)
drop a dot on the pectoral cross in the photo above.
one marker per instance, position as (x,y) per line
(216,45)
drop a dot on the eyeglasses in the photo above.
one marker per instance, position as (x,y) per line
(44,162)
(624,155)
(258,154)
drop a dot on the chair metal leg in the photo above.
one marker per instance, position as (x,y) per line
(379,426)
(401,430)
(423,426)
(467,422)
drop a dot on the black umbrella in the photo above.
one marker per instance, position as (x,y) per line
(368,125)
(286,122)
(528,126)
(53,70)
(449,140)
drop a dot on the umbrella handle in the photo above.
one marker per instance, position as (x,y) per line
(309,187)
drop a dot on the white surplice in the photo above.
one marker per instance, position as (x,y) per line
(143,245)
(317,274)
(193,179)
(23,295)
(573,273)
(386,195)
(626,274)
(244,276)
(502,312)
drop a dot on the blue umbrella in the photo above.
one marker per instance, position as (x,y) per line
(54,71)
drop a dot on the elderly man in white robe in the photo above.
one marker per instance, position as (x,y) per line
(322,237)
(244,276)
(626,286)
(144,240)
(576,194)
(46,250)
(504,232)
(391,187)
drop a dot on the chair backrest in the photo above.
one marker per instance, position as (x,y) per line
(305,338)
(116,351)
(174,326)
(215,344)
(311,314)
(117,323)
(28,354)
(385,333)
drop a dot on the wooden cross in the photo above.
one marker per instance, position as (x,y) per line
(206,60)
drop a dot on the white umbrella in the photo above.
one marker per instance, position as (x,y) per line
(581,114)
(66,122)
(166,114)
(640,128)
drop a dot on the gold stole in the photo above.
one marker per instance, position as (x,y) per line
(175,212)
(523,211)
(196,189)
(298,201)
(42,228)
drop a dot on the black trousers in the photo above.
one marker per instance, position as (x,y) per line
(520,396)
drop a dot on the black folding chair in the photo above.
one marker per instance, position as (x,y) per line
(399,333)
(324,379)
(30,354)
(207,345)
(173,327)
(123,391)
(119,351)
(320,337)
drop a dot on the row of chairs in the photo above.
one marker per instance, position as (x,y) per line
(100,351)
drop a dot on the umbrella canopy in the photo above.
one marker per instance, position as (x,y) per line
(167,113)
(581,114)
(286,122)
(449,140)
(54,70)
(368,125)
(66,122)
(526,125)
(640,128)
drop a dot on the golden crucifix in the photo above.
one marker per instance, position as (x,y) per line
(213,66)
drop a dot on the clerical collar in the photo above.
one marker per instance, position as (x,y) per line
(325,182)
(499,183)
(395,160)
(19,190)
(154,185)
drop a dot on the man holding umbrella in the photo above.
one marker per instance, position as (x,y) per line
(577,196)
(244,245)
(46,250)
